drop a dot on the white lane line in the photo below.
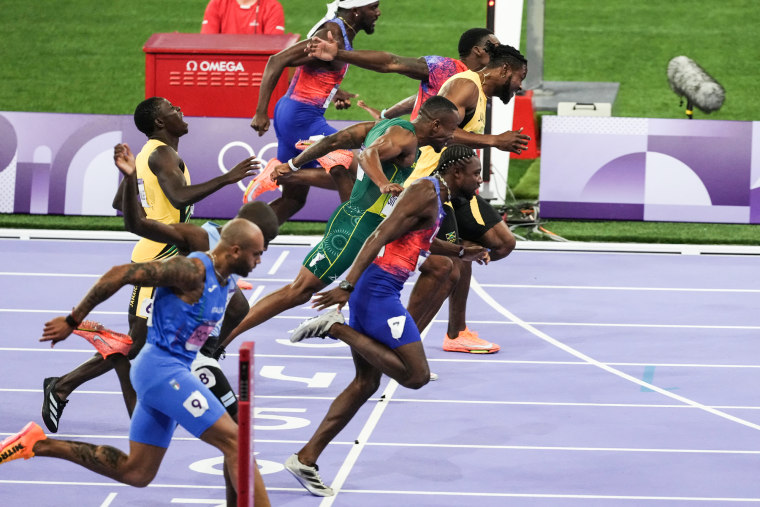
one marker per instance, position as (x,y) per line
(491,362)
(51,275)
(109,499)
(580,355)
(24,310)
(617,288)
(256,293)
(363,438)
(446,401)
(443,494)
(415,493)
(361,442)
(283,255)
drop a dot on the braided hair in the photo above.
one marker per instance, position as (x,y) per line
(452,156)
(503,53)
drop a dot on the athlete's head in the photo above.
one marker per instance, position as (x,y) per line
(360,14)
(509,67)
(240,246)
(460,167)
(261,214)
(436,122)
(472,44)
(157,113)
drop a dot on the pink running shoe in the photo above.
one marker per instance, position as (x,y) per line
(468,341)
(261,183)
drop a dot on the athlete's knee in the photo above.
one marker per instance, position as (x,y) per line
(438,266)
(300,290)
(417,379)
(138,475)
(366,385)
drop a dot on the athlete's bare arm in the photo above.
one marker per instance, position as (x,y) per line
(349,138)
(187,276)
(294,56)
(396,145)
(165,163)
(417,208)
(380,61)
(464,94)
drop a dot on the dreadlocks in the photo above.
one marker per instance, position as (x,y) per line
(502,53)
(453,155)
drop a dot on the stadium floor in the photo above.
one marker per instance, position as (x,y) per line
(623,379)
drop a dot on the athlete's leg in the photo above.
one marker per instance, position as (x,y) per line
(223,435)
(500,240)
(138,468)
(438,277)
(343,408)
(138,330)
(296,293)
(406,364)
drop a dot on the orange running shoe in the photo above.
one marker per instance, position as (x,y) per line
(21,444)
(468,341)
(339,157)
(261,183)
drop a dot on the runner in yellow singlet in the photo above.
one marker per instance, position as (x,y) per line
(477,221)
(167,196)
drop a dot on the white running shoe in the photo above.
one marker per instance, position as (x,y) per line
(317,327)
(433,376)
(308,477)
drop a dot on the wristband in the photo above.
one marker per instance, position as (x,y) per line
(292,165)
(72,322)
(382,114)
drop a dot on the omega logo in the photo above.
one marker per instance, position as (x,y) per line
(206,66)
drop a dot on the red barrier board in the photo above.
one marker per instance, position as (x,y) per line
(213,74)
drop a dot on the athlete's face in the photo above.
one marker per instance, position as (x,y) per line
(248,257)
(469,178)
(367,17)
(443,129)
(512,82)
(172,118)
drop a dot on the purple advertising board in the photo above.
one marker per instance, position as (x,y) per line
(54,163)
(650,169)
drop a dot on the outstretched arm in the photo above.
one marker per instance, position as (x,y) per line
(165,164)
(294,56)
(180,272)
(416,208)
(349,138)
(379,61)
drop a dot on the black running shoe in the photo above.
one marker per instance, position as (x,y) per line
(52,405)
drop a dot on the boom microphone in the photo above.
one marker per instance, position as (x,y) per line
(688,79)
